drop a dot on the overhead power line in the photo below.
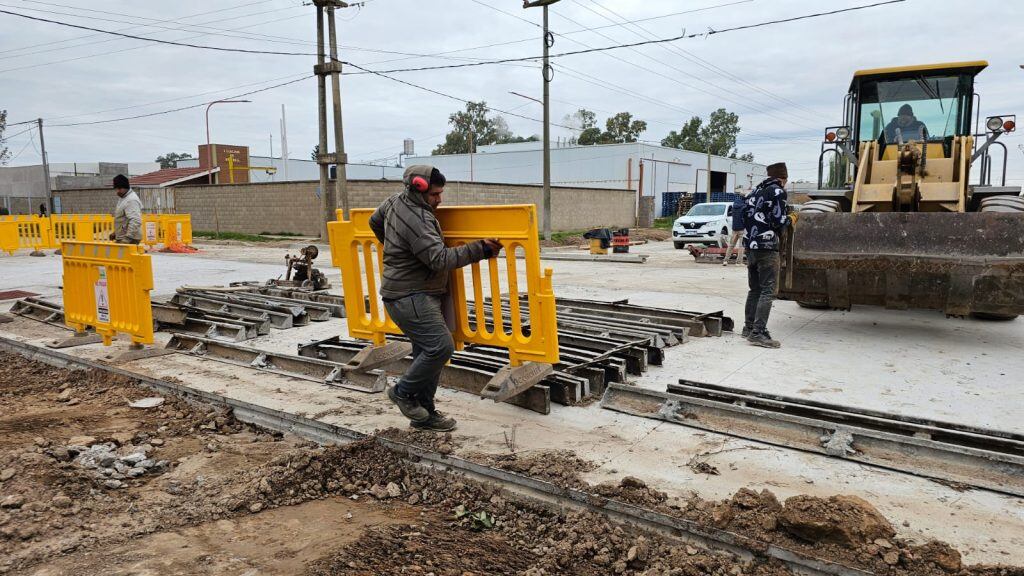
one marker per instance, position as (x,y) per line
(708,33)
(177,109)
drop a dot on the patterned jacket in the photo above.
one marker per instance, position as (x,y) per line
(765,215)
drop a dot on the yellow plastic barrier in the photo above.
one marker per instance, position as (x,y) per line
(35,232)
(9,236)
(166,229)
(106,286)
(81,227)
(357,252)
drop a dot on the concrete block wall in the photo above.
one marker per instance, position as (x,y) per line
(86,200)
(293,207)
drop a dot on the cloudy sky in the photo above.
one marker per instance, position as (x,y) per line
(786,81)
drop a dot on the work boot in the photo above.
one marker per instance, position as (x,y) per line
(764,340)
(437,422)
(725,262)
(747,330)
(410,408)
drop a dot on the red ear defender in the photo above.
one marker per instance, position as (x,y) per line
(419,183)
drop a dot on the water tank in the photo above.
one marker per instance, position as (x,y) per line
(409,147)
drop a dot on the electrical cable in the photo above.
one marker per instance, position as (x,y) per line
(710,32)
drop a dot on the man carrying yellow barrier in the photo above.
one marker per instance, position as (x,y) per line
(414,288)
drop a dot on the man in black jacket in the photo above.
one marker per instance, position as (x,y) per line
(416,267)
(764,217)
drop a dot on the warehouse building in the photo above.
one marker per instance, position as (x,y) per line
(657,172)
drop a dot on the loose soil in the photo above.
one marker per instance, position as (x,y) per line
(233,499)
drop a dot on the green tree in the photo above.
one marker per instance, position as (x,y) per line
(170,160)
(5,154)
(718,135)
(485,130)
(315,152)
(618,129)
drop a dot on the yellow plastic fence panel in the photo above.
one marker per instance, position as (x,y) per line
(9,236)
(106,286)
(357,252)
(35,232)
(178,228)
(152,229)
(81,227)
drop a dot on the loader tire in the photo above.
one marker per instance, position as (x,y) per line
(1002,204)
(812,305)
(821,206)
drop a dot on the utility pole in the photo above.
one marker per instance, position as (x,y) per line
(708,199)
(547,74)
(329,197)
(284,143)
(46,168)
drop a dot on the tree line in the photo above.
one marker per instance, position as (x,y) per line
(474,127)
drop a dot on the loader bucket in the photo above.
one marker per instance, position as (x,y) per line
(959,263)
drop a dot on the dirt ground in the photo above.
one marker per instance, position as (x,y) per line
(91,485)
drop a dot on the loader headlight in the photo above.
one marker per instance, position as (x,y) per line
(994,124)
(843,133)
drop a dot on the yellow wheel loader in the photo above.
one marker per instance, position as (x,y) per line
(905,215)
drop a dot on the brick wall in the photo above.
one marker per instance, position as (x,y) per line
(293,207)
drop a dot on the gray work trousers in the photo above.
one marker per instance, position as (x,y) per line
(421,320)
(762,281)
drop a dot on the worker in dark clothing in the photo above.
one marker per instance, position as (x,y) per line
(910,128)
(417,264)
(738,231)
(764,217)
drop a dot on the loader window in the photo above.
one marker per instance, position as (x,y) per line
(935,104)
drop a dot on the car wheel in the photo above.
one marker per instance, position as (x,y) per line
(679,245)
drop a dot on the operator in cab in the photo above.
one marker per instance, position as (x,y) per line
(909,126)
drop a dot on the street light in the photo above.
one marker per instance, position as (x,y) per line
(209,149)
(546,73)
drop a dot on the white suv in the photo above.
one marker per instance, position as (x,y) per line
(707,223)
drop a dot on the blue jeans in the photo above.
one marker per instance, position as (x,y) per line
(762,280)
(420,318)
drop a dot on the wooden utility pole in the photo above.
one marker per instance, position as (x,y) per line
(547,73)
(329,196)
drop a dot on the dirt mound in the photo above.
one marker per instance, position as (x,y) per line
(846,520)
(560,467)
(749,511)
(632,491)
(440,443)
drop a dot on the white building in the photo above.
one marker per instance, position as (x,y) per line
(666,173)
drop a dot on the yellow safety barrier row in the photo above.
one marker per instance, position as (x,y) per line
(355,250)
(43,232)
(106,286)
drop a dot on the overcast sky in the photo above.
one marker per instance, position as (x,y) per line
(786,81)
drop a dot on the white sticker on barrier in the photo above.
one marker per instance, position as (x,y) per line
(102,297)
(150,231)
(178,237)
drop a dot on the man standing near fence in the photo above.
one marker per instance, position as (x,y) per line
(127,214)
(415,288)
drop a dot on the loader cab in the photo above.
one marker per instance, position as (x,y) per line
(933,103)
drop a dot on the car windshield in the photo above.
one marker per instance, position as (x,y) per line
(913,106)
(707,210)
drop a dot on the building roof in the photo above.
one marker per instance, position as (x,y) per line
(169,177)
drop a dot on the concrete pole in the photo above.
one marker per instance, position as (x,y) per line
(708,199)
(284,143)
(340,180)
(546,71)
(321,86)
(46,169)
